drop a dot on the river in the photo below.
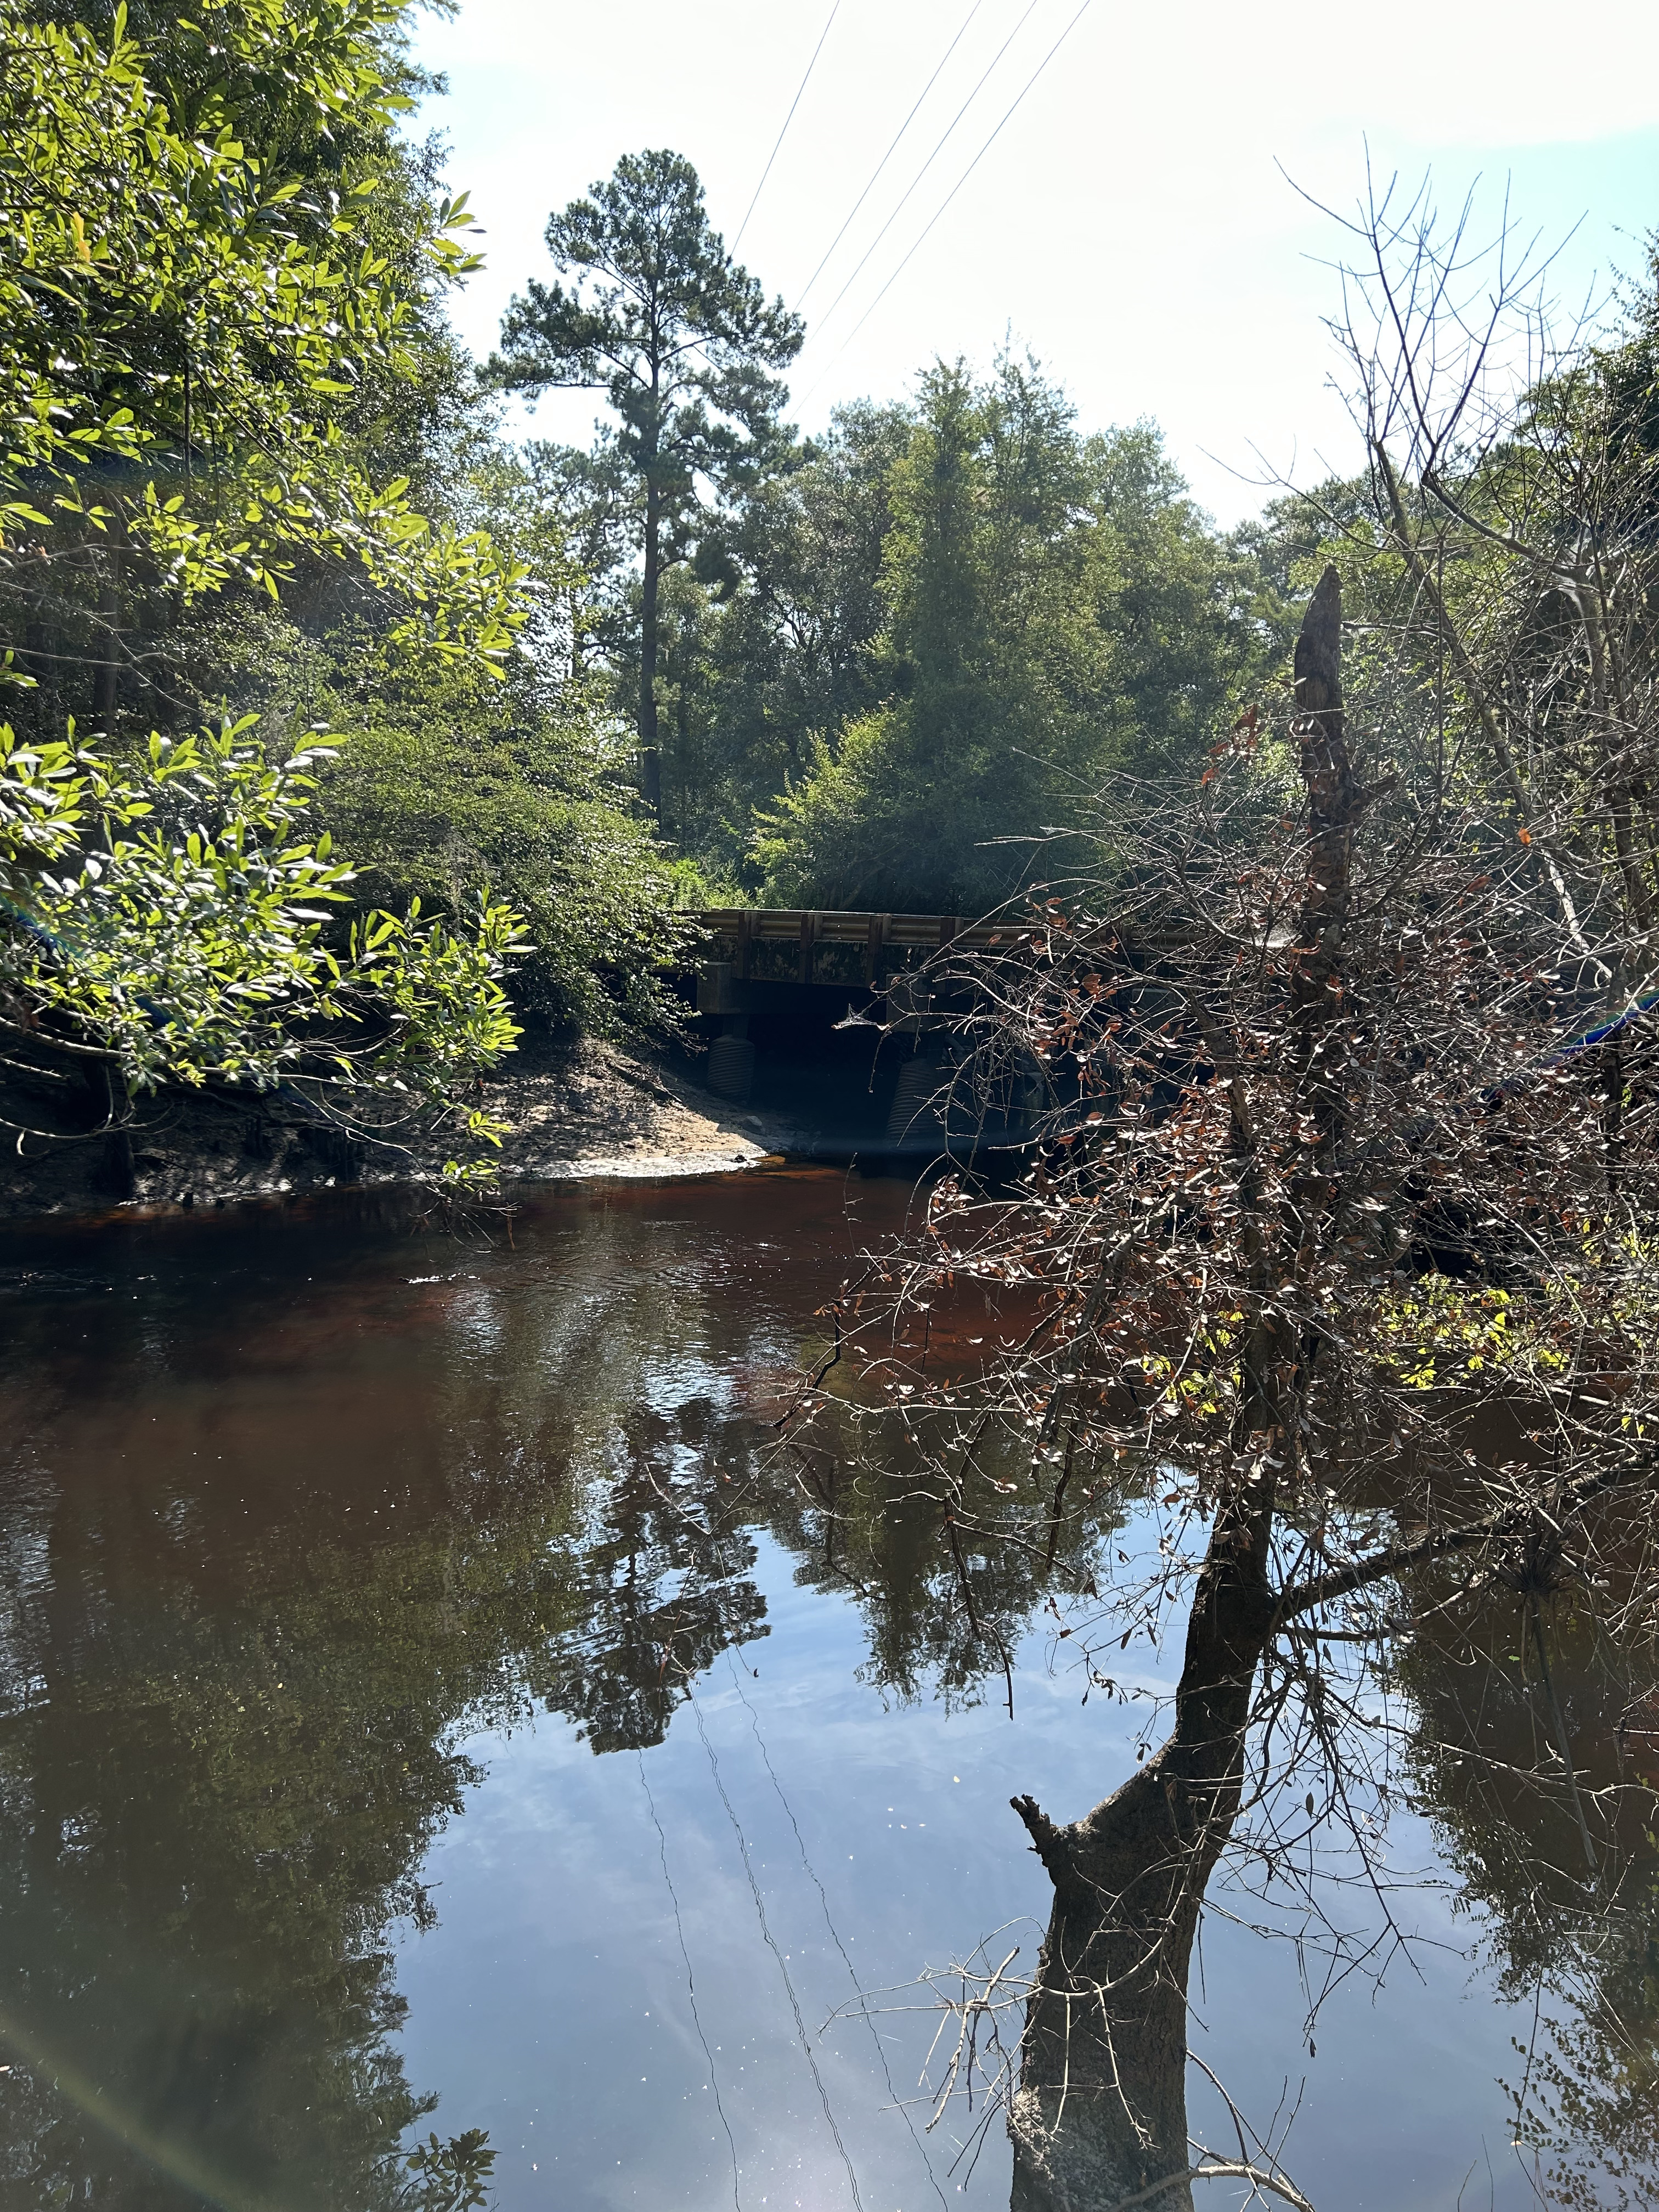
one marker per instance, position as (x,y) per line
(423,1679)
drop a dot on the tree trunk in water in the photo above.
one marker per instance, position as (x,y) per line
(1100,2112)
(650,754)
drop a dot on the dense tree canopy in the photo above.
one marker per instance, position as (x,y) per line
(455,785)
(683,344)
(189,289)
(1055,608)
(183,307)
(249,481)
(774,635)
(933,629)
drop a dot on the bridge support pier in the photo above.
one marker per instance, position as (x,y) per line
(724,999)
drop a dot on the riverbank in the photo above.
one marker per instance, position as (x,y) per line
(575,1107)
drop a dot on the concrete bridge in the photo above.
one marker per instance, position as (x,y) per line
(761,943)
(765,976)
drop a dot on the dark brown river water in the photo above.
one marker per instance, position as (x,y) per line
(423,1707)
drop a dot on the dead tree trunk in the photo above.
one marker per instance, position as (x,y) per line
(1101,2110)
(1100,2113)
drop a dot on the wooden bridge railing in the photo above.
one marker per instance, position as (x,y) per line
(744,927)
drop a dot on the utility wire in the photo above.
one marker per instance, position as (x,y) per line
(788,120)
(691,1982)
(900,2105)
(893,148)
(772,1945)
(927,164)
(949,197)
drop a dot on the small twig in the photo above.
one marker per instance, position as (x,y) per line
(1220,2169)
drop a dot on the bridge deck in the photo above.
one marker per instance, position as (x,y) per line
(742,928)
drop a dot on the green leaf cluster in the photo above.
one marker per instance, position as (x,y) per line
(246,476)
(183,315)
(173,921)
(1055,608)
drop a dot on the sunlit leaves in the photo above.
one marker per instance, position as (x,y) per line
(175,920)
(178,320)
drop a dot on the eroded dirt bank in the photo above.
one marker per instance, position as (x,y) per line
(574,1109)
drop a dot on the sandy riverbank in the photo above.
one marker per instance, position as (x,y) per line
(574,1108)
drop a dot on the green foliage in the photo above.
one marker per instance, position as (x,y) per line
(170,920)
(773,633)
(904,653)
(453,2176)
(1056,610)
(182,319)
(451,790)
(246,469)
(455,787)
(677,337)
(683,344)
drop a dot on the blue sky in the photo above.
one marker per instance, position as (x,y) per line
(1131,222)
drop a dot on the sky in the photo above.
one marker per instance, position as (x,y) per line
(1141,221)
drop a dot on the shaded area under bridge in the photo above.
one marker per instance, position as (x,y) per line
(779,992)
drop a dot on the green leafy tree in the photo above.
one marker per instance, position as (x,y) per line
(685,346)
(190,306)
(169,924)
(590,502)
(1055,608)
(773,634)
(223,363)
(455,788)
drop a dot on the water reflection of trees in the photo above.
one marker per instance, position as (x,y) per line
(1575,1949)
(245,1644)
(210,1826)
(946,1589)
(263,1584)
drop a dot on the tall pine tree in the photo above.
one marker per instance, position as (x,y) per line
(683,344)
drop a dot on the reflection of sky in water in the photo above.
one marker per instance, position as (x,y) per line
(551,2002)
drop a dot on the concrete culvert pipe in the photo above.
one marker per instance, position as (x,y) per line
(731,1067)
(914,1115)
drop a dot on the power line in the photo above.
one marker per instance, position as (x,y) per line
(772,1945)
(801,299)
(970,170)
(899,2104)
(691,1981)
(949,197)
(927,165)
(788,120)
